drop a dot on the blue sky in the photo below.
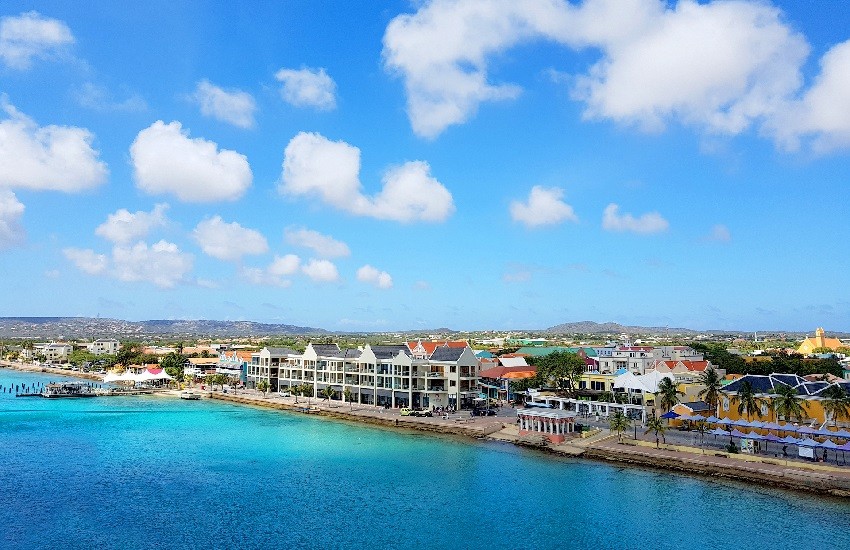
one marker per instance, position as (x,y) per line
(404,165)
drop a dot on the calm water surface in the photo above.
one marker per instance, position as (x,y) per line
(153,472)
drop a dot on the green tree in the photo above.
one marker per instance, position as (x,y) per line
(263,386)
(328,393)
(657,426)
(712,389)
(619,423)
(747,401)
(174,365)
(668,394)
(80,356)
(561,369)
(787,404)
(348,395)
(835,403)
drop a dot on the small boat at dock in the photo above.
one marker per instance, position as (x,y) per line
(190,395)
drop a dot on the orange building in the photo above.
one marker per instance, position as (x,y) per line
(819,341)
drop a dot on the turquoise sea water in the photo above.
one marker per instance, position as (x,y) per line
(153,472)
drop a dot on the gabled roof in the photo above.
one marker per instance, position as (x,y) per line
(348,353)
(388,352)
(513,361)
(428,347)
(326,350)
(446,354)
(697,406)
(509,372)
(281,352)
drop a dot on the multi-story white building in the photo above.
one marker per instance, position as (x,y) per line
(53,352)
(103,347)
(634,359)
(377,375)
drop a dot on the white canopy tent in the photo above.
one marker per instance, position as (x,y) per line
(145,376)
(646,383)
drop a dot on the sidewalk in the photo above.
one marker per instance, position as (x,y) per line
(766,471)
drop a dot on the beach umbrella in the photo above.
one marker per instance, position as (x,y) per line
(845,447)
(737,433)
(684,417)
(712,419)
(670,415)
(774,438)
(807,430)
(809,442)
(843,434)
(697,417)
(740,422)
(771,426)
(825,432)
(718,431)
(791,440)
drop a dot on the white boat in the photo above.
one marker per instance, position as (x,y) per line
(189,394)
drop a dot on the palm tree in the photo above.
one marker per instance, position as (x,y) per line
(835,403)
(619,423)
(788,404)
(328,393)
(656,425)
(348,394)
(667,394)
(747,400)
(713,390)
(263,386)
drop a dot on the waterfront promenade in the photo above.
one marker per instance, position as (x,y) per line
(679,456)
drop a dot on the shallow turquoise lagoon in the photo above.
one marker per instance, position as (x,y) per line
(153,472)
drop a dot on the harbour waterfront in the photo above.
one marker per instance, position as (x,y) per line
(152,471)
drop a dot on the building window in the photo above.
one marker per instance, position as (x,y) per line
(452,383)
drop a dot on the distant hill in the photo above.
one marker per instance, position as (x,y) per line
(591,327)
(89,327)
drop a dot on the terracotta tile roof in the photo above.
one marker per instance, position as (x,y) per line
(509,372)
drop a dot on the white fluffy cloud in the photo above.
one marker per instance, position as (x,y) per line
(822,112)
(648,223)
(314,165)
(124,227)
(11,212)
(162,264)
(658,61)
(373,276)
(87,260)
(321,271)
(544,207)
(275,274)
(323,245)
(228,241)
(54,158)
(308,88)
(31,35)
(232,106)
(166,160)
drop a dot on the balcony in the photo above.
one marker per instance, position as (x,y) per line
(435,374)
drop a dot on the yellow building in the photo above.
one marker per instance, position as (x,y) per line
(819,341)
(764,387)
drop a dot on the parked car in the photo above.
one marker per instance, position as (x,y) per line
(421,412)
(407,411)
